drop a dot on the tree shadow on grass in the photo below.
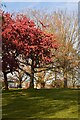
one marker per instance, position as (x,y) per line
(44,103)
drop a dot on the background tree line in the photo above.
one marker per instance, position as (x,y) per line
(52,58)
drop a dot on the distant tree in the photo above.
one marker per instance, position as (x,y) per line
(19,77)
(65,59)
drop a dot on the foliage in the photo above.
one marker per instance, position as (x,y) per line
(9,62)
(21,36)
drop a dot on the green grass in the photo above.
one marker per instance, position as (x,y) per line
(44,103)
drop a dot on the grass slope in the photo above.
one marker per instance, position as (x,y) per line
(44,103)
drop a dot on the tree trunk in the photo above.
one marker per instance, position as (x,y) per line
(32,75)
(73,82)
(42,85)
(65,80)
(55,77)
(73,85)
(55,74)
(5,81)
(20,84)
(32,79)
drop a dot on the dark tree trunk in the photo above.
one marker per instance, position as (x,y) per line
(65,80)
(32,75)
(32,79)
(20,84)
(5,81)
(73,82)
(42,85)
(73,85)
(55,74)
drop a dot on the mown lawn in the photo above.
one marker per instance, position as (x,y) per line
(44,103)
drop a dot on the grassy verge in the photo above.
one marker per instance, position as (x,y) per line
(44,103)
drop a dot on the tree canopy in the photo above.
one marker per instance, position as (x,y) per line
(21,36)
